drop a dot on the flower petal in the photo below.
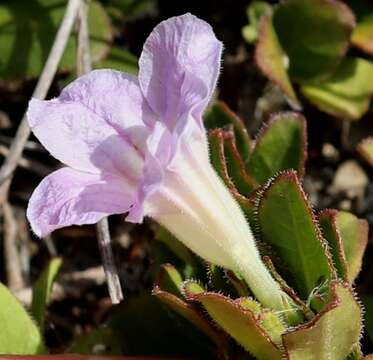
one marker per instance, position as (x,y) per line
(166,155)
(69,197)
(95,124)
(179,67)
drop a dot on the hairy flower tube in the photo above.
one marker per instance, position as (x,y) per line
(138,146)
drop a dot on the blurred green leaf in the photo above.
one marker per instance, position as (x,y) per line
(314,34)
(347,93)
(329,227)
(255,11)
(145,327)
(27,33)
(329,335)
(272,60)
(119,59)
(169,279)
(365,149)
(19,334)
(286,222)
(242,323)
(42,290)
(354,235)
(101,341)
(120,9)
(280,145)
(362,36)
(190,313)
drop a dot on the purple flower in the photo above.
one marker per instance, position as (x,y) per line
(138,146)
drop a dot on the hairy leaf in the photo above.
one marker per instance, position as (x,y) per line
(240,322)
(287,223)
(331,334)
(281,145)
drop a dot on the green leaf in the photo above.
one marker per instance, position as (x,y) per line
(314,34)
(42,290)
(271,59)
(329,227)
(287,223)
(365,149)
(101,341)
(354,234)
(19,334)
(255,11)
(170,280)
(220,116)
(281,145)
(345,95)
(329,335)
(348,237)
(26,42)
(242,323)
(362,36)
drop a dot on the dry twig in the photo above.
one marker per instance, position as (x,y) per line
(40,92)
(12,258)
(103,232)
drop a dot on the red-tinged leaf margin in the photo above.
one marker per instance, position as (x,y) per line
(235,304)
(337,246)
(334,302)
(239,128)
(275,117)
(247,203)
(265,62)
(230,145)
(292,175)
(362,150)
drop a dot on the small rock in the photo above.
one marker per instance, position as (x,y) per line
(330,152)
(349,178)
